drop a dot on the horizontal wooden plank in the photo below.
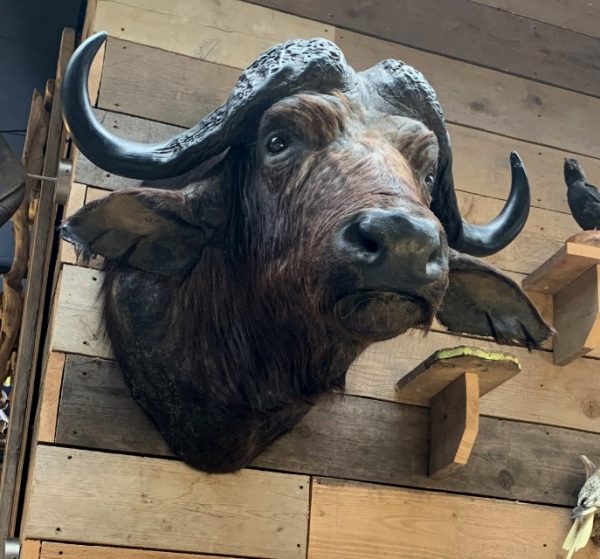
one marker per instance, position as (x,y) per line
(562,395)
(467,31)
(581,16)
(361,522)
(54,550)
(541,393)
(165,505)
(183,92)
(77,325)
(190,88)
(229,32)
(347,437)
(491,100)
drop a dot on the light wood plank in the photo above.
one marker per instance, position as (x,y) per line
(542,393)
(582,16)
(182,93)
(229,32)
(74,203)
(50,397)
(365,522)
(467,31)
(493,101)
(77,326)
(344,436)
(52,550)
(30,549)
(163,504)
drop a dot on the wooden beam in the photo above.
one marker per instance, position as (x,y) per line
(55,550)
(466,31)
(50,397)
(30,549)
(562,396)
(30,339)
(347,437)
(165,505)
(361,522)
(74,203)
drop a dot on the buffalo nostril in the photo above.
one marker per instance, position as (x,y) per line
(361,241)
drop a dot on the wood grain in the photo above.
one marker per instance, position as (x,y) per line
(347,437)
(165,505)
(229,32)
(74,203)
(33,310)
(467,31)
(581,16)
(30,549)
(365,522)
(53,550)
(182,93)
(193,88)
(542,393)
(490,100)
(454,425)
(577,317)
(50,397)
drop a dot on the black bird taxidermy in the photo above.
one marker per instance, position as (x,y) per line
(583,197)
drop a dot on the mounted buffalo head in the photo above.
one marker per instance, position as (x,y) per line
(324,219)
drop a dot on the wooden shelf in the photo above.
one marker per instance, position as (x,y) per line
(450,382)
(572,278)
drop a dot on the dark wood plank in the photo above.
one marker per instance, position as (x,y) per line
(184,85)
(467,31)
(347,437)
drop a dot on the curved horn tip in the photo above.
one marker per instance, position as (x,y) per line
(515,159)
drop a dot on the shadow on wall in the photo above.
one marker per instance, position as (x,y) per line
(30,33)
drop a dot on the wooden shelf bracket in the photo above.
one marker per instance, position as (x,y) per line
(572,278)
(450,382)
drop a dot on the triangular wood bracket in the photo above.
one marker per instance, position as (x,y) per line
(451,381)
(572,278)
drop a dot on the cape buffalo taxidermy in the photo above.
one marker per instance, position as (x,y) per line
(325,220)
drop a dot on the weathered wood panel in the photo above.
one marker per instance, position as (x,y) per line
(52,550)
(491,100)
(344,436)
(229,32)
(581,16)
(467,31)
(183,91)
(50,397)
(110,499)
(562,396)
(190,88)
(77,326)
(362,522)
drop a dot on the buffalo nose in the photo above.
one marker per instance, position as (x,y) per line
(393,249)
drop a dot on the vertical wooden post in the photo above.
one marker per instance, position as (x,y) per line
(454,425)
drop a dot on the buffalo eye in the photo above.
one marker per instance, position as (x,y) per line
(430,179)
(276,144)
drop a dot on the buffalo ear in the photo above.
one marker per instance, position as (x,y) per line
(155,230)
(482,301)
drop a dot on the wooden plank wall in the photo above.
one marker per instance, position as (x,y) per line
(350,480)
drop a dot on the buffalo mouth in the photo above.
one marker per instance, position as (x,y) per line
(377,315)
